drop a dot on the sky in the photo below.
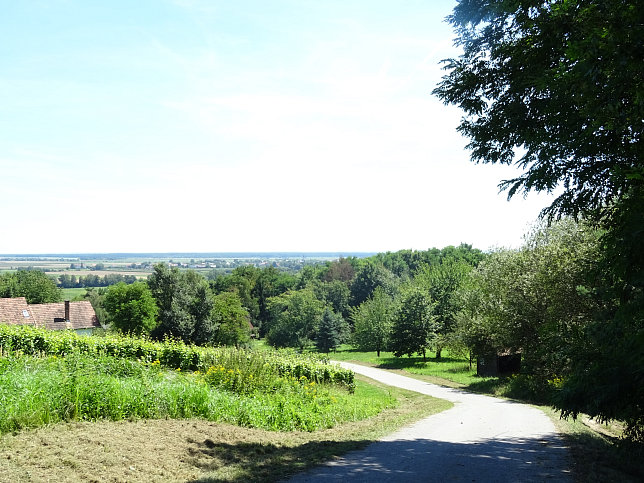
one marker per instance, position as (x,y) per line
(253,125)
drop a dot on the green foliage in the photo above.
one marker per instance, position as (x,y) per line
(332,331)
(232,319)
(343,270)
(39,391)
(254,287)
(405,263)
(185,305)
(35,286)
(606,379)
(370,276)
(373,321)
(96,298)
(562,83)
(443,281)
(414,325)
(295,318)
(335,293)
(131,308)
(533,300)
(170,353)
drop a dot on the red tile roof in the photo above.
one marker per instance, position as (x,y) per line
(16,311)
(50,316)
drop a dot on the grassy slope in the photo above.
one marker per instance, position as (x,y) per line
(167,450)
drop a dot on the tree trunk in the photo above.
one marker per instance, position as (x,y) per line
(438,353)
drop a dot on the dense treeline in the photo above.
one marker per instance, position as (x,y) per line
(35,286)
(93,280)
(315,306)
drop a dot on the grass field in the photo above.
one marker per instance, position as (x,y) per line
(73,293)
(450,370)
(134,449)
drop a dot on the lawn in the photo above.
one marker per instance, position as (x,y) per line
(450,370)
(73,293)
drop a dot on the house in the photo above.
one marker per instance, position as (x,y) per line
(77,316)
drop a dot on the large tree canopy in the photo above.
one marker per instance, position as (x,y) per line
(555,87)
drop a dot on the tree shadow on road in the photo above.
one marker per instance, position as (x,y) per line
(409,460)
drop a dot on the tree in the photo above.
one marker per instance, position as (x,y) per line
(34,285)
(185,305)
(331,331)
(442,282)
(372,322)
(232,320)
(369,276)
(295,318)
(341,270)
(269,283)
(131,308)
(535,299)
(242,281)
(560,83)
(335,293)
(414,325)
(606,380)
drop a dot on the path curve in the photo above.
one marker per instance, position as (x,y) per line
(480,439)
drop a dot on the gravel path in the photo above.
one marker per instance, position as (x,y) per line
(480,439)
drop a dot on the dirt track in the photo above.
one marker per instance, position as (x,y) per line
(480,439)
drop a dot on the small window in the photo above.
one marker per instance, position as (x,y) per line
(25,314)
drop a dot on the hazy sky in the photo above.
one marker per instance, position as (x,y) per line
(212,125)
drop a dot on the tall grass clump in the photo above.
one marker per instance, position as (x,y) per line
(38,391)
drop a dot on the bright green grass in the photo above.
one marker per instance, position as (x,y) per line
(452,370)
(73,293)
(40,391)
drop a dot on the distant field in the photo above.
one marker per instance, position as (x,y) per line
(72,293)
(101,273)
(18,264)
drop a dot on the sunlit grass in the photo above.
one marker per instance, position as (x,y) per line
(452,370)
(39,391)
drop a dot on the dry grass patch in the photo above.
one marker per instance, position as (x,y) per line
(167,450)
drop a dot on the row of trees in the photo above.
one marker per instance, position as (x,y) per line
(317,305)
(365,302)
(92,280)
(178,304)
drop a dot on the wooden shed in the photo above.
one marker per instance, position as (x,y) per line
(498,364)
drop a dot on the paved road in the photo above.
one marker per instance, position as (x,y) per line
(480,439)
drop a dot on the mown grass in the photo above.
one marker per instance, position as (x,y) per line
(40,391)
(182,450)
